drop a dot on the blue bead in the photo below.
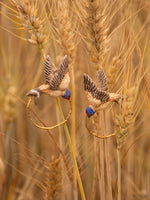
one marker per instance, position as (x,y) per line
(89,112)
(67,94)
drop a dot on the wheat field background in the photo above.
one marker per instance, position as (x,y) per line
(68,162)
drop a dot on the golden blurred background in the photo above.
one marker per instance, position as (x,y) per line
(40,164)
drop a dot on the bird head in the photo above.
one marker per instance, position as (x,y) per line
(36,93)
(67,94)
(89,112)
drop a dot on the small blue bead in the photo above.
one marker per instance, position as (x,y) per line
(67,94)
(89,111)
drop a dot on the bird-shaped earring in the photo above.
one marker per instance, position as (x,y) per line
(97,93)
(56,85)
(98,97)
(57,81)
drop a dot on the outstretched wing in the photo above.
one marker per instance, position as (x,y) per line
(96,93)
(59,74)
(102,79)
(48,69)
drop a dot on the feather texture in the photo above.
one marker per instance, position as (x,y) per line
(48,69)
(59,74)
(102,79)
(96,93)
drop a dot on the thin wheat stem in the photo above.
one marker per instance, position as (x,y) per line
(61,144)
(102,183)
(74,131)
(39,69)
(72,153)
(41,51)
(119,172)
(96,168)
(73,121)
(107,160)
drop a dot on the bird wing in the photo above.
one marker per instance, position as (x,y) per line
(59,74)
(48,69)
(96,93)
(102,79)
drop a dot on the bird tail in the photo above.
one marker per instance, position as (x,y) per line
(115,97)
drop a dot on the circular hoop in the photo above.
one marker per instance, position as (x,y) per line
(44,127)
(95,135)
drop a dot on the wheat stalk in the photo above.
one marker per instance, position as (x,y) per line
(73,155)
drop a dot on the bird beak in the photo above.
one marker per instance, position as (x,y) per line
(89,115)
(36,93)
(35,100)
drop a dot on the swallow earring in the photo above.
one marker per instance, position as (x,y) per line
(98,96)
(57,81)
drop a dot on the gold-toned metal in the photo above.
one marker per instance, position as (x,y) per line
(94,134)
(44,127)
